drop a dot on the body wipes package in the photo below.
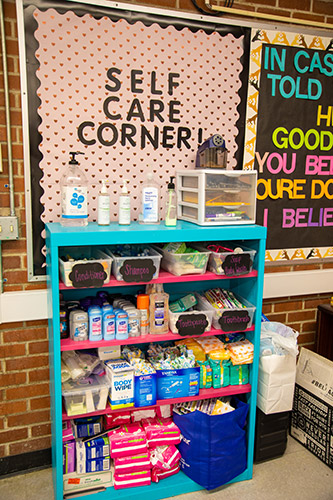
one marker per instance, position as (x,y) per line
(121,377)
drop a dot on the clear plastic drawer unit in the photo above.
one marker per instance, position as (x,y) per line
(217,197)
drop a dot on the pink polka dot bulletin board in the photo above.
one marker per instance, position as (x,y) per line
(134,97)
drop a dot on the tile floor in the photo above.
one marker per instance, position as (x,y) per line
(297,475)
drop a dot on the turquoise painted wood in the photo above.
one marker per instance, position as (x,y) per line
(250,288)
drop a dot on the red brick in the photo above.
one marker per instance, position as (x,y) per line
(31,445)
(15,435)
(309,327)
(40,403)
(306,338)
(325,8)
(16,276)
(13,407)
(12,379)
(295,4)
(11,262)
(13,350)
(301,316)
(38,347)
(306,267)
(25,335)
(314,303)
(309,17)
(277,269)
(33,417)
(26,363)
(287,306)
(281,318)
(39,375)
(18,324)
(2,451)
(41,430)
(27,391)
(274,12)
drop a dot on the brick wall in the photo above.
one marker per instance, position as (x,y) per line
(24,381)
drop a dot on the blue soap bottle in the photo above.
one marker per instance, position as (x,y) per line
(95,323)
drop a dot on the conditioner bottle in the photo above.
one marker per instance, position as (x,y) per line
(124,206)
(103,209)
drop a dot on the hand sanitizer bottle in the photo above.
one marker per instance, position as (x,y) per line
(171,205)
(74,194)
(124,206)
(103,210)
(150,206)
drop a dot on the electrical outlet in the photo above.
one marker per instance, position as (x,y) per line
(9,228)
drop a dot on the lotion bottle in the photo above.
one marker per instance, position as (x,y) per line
(103,209)
(150,198)
(171,205)
(124,206)
(159,310)
(74,194)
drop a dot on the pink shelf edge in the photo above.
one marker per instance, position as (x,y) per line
(230,390)
(165,277)
(71,345)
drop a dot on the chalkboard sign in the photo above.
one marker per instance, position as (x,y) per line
(87,275)
(191,324)
(234,320)
(294,146)
(237,264)
(137,270)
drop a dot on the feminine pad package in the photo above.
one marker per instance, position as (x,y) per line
(136,463)
(127,440)
(86,427)
(68,457)
(165,457)
(67,431)
(141,478)
(160,432)
(115,419)
(157,473)
(96,465)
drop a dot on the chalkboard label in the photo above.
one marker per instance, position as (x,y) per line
(237,263)
(136,270)
(191,324)
(88,274)
(234,321)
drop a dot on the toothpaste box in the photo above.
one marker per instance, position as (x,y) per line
(96,465)
(121,378)
(76,483)
(95,448)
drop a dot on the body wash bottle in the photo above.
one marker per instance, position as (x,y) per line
(74,194)
(171,205)
(159,310)
(150,202)
(124,206)
(103,209)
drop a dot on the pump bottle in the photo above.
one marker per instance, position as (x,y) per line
(124,206)
(74,194)
(103,210)
(171,205)
(150,198)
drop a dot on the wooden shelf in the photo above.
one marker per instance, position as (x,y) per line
(72,345)
(230,390)
(165,277)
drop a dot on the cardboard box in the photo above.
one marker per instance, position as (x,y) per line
(76,483)
(312,415)
(178,383)
(145,390)
(121,377)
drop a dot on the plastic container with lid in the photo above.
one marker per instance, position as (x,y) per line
(85,395)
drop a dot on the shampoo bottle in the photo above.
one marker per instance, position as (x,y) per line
(150,206)
(159,310)
(103,209)
(74,194)
(124,206)
(171,205)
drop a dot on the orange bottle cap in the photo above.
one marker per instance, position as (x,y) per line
(142,301)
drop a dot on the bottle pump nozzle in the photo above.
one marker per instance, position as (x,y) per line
(171,184)
(73,160)
(124,188)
